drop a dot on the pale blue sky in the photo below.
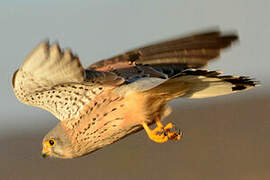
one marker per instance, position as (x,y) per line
(99,29)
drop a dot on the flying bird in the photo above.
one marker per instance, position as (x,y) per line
(116,97)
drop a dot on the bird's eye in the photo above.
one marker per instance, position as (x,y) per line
(51,142)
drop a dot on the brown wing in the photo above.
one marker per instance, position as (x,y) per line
(55,80)
(169,57)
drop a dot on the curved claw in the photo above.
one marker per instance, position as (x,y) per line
(175,135)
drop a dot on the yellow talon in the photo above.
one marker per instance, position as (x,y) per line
(152,134)
(161,134)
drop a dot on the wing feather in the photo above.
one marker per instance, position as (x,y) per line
(56,81)
(193,51)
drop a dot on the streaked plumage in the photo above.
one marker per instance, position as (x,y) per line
(113,98)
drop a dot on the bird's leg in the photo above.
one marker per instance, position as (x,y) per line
(161,134)
(153,134)
(159,127)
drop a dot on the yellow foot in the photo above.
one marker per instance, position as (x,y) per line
(172,135)
(153,134)
(162,134)
(175,135)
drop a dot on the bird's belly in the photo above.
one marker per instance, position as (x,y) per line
(107,119)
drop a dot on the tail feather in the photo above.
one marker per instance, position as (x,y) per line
(201,84)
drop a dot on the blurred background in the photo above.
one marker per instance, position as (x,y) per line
(224,137)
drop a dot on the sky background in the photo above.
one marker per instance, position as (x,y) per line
(224,137)
(99,29)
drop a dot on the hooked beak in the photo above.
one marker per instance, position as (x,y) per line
(44,155)
(45,152)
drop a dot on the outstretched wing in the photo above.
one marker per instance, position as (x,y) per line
(56,81)
(168,58)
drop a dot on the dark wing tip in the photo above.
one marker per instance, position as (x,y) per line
(227,40)
(241,82)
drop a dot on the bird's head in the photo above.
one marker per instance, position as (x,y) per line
(56,144)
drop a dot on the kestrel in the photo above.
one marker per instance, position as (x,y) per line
(116,97)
